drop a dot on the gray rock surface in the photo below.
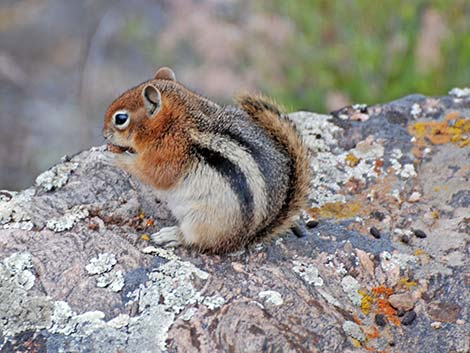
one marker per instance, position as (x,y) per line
(77,272)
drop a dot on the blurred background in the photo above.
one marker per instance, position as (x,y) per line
(63,61)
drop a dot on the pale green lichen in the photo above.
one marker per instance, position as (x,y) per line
(62,318)
(102,266)
(271,297)
(167,293)
(188,314)
(460,92)
(214,302)
(24,225)
(56,177)
(112,280)
(120,321)
(351,287)
(353,330)
(308,273)
(318,134)
(20,312)
(104,262)
(14,210)
(68,220)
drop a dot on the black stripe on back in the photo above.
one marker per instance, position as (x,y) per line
(234,175)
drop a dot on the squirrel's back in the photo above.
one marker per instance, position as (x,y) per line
(259,152)
(283,132)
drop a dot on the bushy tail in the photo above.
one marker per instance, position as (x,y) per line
(265,113)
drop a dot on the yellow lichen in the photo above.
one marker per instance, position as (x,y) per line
(382,291)
(366,301)
(145,237)
(406,283)
(338,210)
(356,343)
(384,308)
(352,160)
(419,252)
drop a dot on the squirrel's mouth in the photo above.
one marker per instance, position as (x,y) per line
(120,149)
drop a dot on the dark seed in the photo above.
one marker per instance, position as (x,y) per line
(420,234)
(375,232)
(378,215)
(380,320)
(408,318)
(405,239)
(311,223)
(298,231)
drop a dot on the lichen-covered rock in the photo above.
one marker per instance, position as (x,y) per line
(77,272)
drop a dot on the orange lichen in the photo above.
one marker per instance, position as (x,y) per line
(352,160)
(149,222)
(452,129)
(372,333)
(379,163)
(382,291)
(357,320)
(453,115)
(384,307)
(338,210)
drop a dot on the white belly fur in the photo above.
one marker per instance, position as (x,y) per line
(206,207)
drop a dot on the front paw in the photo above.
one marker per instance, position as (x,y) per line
(168,237)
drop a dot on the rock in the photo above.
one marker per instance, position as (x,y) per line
(375,232)
(444,311)
(419,234)
(408,318)
(311,223)
(380,320)
(66,286)
(366,262)
(403,301)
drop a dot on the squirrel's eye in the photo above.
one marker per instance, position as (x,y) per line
(121,120)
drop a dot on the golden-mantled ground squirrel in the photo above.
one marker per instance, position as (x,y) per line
(229,174)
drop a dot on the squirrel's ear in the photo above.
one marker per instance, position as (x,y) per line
(152,100)
(165,73)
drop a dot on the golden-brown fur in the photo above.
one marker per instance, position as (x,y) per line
(269,116)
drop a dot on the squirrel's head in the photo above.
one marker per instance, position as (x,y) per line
(136,111)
